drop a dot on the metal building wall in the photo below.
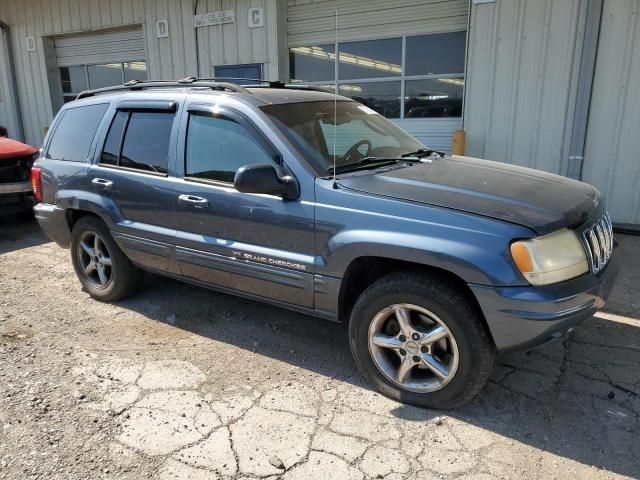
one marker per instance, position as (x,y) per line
(521,79)
(312,22)
(167,58)
(612,158)
(8,110)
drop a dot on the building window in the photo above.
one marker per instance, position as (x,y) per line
(77,78)
(407,77)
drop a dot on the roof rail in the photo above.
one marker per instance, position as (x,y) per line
(261,83)
(185,82)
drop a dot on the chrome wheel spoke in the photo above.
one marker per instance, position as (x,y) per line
(87,249)
(404,320)
(385,341)
(404,371)
(435,334)
(102,275)
(97,245)
(435,365)
(90,268)
(106,261)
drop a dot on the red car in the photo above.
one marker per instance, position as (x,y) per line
(16,192)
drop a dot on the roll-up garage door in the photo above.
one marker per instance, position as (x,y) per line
(405,58)
(122,45)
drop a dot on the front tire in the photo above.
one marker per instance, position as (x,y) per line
(102,268)
(419,340)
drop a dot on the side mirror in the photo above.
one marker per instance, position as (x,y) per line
(263,178)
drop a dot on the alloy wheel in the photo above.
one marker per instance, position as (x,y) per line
(413,348)
(95,259)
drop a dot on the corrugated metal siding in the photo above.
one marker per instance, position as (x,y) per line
(236,43)
(435,133)
(312,22)
(612,161)
(8,117)
(167,58)
(521,80)
(120,45)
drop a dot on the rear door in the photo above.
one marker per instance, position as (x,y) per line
(257,244)
(132,171)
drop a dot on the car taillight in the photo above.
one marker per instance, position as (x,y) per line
(36,183)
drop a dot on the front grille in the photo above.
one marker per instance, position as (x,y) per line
(598,239)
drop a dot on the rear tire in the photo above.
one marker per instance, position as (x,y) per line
(102,268)
(419,340)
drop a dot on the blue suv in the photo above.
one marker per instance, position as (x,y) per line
(314,202)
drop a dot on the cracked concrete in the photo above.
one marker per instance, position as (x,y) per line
(180,383)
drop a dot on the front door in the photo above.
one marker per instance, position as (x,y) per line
(262,245)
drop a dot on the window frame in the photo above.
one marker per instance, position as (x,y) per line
(403,77)
(255,133)
(130,109)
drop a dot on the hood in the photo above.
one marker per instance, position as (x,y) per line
(541,201)
(10,149)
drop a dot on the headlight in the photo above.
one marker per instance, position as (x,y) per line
(550,258)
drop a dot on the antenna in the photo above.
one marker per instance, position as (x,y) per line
(335,108)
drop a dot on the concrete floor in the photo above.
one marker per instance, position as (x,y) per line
(179,382)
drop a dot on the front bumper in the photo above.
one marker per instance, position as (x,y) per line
(53,222)
(523,317)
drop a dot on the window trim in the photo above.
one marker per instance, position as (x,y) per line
(402,78)
(207,110)
(123,135)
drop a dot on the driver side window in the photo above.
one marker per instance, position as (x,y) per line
(217,146)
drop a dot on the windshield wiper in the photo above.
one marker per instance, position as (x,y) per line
(366,163)
(422,152)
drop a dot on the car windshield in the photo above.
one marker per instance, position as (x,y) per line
(357,133)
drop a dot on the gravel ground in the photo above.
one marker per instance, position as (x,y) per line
(182,383)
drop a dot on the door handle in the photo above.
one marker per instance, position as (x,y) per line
(193,201)
(102,183)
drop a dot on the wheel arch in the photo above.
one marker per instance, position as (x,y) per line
(363,271)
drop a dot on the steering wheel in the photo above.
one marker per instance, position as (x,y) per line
(354,149)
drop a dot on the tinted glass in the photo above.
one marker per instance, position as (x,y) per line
(372,58)
(112,143)
(73,79)
(218,146)
(433,54)
(135,71)
(438,97)
(146,142)
(74,133)
(315,63)
(383,97)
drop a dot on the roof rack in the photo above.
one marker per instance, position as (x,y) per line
(214,83)
(185,82)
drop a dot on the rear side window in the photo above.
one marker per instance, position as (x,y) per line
(145,145)
(74,133)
